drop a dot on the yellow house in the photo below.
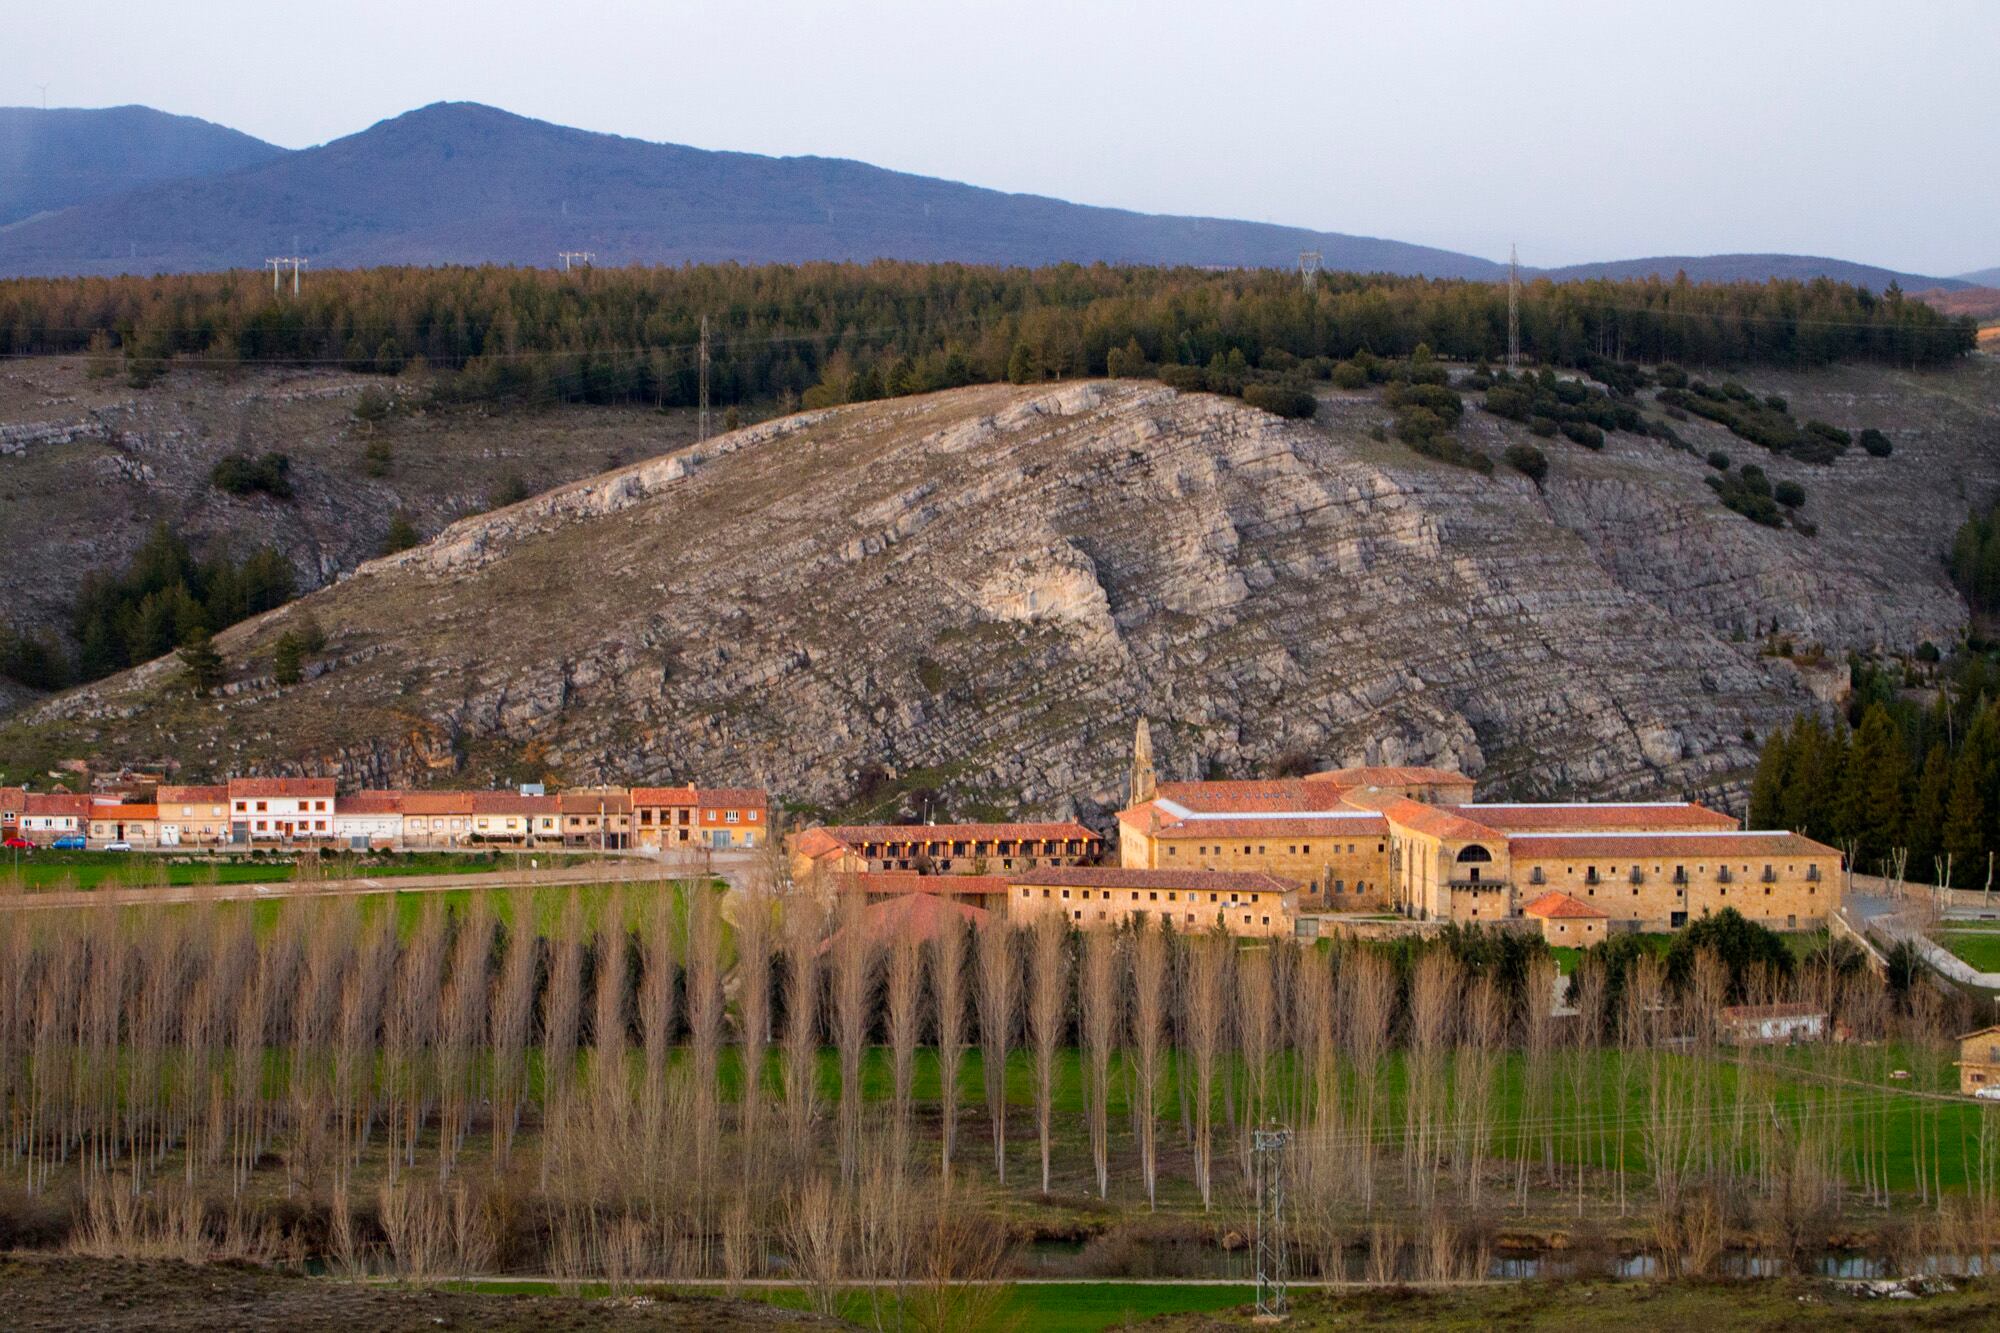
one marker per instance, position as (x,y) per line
(1096,897)
(133,825)
(193,816)
(1566,922)
(1979,1060)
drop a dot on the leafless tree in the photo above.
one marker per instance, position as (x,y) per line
(1149,1013)
(1203,1002)
(1048,984)
(999,991)
(1099,1008)
(948,987)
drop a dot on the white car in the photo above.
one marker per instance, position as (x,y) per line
(117,846)
(1987,1094)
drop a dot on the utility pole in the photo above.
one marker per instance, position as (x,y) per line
(1268,1149)
(1513,307)
(1309,269)
(279,263)
(702,428)
(575,258)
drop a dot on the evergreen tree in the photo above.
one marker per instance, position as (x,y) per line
(288,659)
(1871,789)
(201,665)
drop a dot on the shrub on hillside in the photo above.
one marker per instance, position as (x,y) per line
(240,474)
(1543,426)
(1529,461)
(1718,460)
(1585,434)
(1875,443)
(1281,400)
(1789,494)
(1348,375)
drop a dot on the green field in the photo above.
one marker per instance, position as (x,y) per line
(54,870)
(1979,948)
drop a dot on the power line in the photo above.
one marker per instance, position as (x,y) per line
(279,263)
(1268,1151)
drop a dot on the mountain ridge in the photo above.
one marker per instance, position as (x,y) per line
(55,159)
(461,182)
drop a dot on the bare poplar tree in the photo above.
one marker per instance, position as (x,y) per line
(1368,989)
(948,988)
(753,1006)
(1100,1013)
(852,957)
(905,977)
(999,991)
(561,1007)
(1048,985)
(513,1018)
(1203,1000)
(802,940)
(1149,1015)
(1256,1032)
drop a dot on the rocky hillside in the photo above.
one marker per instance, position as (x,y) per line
(978,592)
(88,466)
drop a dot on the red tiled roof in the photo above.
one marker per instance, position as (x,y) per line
(909,881)
(169,795)
(1249,796)
(732,798)
(1594,818)
(857,833)
(1123,877)
(818,842)
(922,915)
(1392,775)
(436,802)
(286,787)
(657,796)
(1361,823)
(591,802)
(57,803)
(1641,846)
(1437,821)
(1556,904)
(126,812)
(369,803)
(511,803)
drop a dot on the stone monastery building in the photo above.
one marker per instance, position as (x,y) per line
(1413,841)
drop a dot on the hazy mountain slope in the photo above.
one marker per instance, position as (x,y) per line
(1750,268)
(1985,277)
(462,183)
(53,159)
(981,590)
(87,467)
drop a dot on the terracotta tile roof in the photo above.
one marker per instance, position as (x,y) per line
(369,803)
(57,803)
(1581,818)
(817,842)
(1391,775)
(1245,797)
(921,915)
(657,796)
(732,798)
(590,802)
(859,833)
(1556,904)
(13,798)
(1437,821)
(283,787)
(1641,846)
(511,803)
(1122,877)
(437,802)
(1361,823)
(209,794)
(909,881)
(126,812)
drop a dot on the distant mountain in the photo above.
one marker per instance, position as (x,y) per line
(463,183)
(53,159)
(460,183)
(1985,277)
(1751,268)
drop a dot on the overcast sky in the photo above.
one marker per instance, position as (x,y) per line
(1866,131)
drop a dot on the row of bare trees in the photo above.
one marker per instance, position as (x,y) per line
(677,1079)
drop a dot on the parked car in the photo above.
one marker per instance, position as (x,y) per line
(18,845)
(117,846)
(1987,1094)
(69,842)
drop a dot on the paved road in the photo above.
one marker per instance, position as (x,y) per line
(730,866)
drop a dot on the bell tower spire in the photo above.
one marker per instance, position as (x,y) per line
(1143,780)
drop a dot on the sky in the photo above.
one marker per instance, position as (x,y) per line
(1579,131)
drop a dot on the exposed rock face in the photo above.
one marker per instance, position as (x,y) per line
(982,590)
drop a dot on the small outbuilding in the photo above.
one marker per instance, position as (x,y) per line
(1568,922)
(1770,1024)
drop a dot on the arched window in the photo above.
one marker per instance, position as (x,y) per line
(1474,852)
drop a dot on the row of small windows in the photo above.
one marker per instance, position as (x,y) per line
(1153,895)
(1078,914)
(1261,849)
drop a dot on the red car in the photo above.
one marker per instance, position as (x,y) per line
(18,845)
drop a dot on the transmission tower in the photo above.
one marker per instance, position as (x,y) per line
(1268,1149)
(575,258)
(1309,270)
(702,428)
(278,264)
(1513,307)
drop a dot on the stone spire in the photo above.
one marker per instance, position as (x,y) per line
(1142,764)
